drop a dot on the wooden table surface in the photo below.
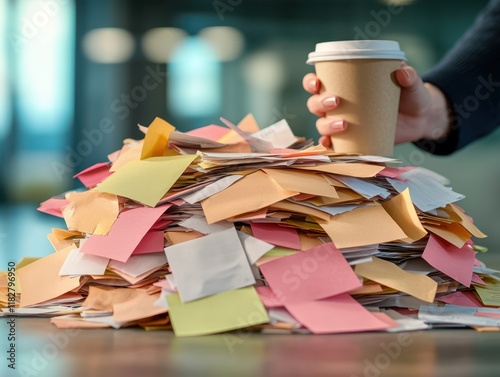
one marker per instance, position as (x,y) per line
(41,349)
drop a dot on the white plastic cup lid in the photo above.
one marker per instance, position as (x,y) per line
(357,49)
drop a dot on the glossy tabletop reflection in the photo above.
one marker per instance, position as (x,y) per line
(41,349)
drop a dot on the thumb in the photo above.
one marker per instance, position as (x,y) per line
(414,95)
(407,77)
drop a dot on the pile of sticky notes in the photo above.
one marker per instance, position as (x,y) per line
(230,227)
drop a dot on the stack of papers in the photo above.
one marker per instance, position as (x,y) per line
(223,228)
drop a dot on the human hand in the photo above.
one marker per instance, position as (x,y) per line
(423,109)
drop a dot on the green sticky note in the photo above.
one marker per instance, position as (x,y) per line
(489,293)
(279,251)
(146,181)
(224,311)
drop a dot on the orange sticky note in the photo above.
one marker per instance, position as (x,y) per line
(250,193)
(103,298)
(454,233)
(392,276)
(129,152)
(138,307)
(91,211)
(303,181)
(156,139)
(40,280)
(465,221)
(362,226)
(403,212)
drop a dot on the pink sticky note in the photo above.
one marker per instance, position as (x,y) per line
(461,299)
(53,206)
(449,259)
(276,235)
(153,242)
(319,272)
(395,173)
(94,175)
(125,235)
(212,132)
(488,314)
(476,279)
(336,314)
(161,224)
(269,299)
(282,151)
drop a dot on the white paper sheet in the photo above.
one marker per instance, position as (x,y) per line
(254,248)
(208,265)
(139,264)
(78,264)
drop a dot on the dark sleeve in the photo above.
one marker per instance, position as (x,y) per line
(469,75)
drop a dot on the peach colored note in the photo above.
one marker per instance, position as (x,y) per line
(250,193)
(362,226)
(40,280)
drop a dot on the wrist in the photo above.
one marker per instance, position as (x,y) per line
(439,116)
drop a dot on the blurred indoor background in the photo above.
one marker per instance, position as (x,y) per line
(77,76)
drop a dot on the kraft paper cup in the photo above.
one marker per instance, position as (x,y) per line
(361,74)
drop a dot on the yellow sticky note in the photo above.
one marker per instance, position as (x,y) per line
(403,212)
(390,275)
(224,311)
(146,181)
(280,251)
(25,261)
(156,140)
(362,226)
(489,293)
(250,193)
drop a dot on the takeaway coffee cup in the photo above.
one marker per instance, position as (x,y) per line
(361,73)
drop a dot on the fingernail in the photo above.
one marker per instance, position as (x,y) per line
(313,84)
(338,125)
(330,102)
(404,73)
